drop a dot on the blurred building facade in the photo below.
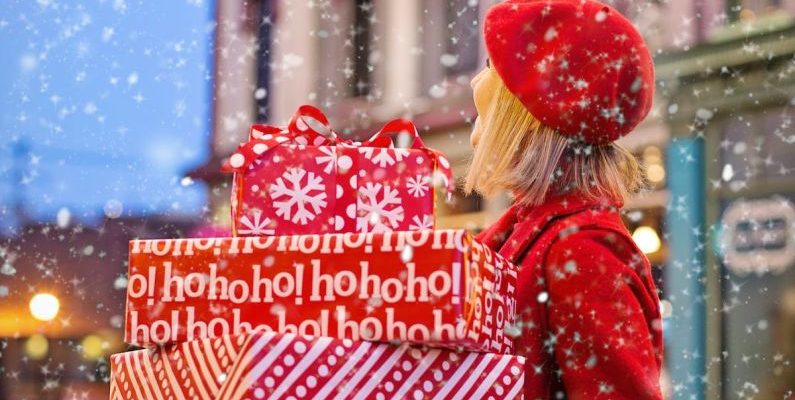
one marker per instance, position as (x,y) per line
(58,348)
(728,106)
(717,222)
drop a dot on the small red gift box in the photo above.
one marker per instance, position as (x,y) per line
(273,366)
(439,288)
(304,180)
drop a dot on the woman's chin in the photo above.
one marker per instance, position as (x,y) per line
(474,137)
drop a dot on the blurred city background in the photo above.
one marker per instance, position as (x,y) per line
(116,116)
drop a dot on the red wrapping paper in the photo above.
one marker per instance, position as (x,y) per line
(273,366)
(439,288)
(305,180)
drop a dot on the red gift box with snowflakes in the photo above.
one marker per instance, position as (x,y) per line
(273,366)
(439,288)
(304,179)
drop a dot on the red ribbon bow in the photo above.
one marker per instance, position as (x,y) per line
(309,126)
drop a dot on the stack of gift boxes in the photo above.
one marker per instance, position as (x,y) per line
(334,284)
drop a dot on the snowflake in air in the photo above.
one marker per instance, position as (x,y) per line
(328,160)
(418,185)
(384,157)
(307,196)
(255,224)
(380,208)
(421,223)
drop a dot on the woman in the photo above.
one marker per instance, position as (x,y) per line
(565,79)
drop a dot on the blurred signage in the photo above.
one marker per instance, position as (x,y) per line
(759,235)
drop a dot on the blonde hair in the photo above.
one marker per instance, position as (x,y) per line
(517,152)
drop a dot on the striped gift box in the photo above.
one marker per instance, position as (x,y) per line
(276,366)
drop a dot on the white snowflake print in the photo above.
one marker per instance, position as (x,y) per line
(255,225)
(291,189)
(418,185)
(379,208)
(421,223)
(384,156)
(328,160)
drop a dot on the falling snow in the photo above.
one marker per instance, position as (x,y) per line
(117,116)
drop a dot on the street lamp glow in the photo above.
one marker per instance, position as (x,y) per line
(647,239)
(93,347)
(36,346)
(44,306)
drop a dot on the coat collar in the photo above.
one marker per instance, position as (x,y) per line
(521,224)
(563,204)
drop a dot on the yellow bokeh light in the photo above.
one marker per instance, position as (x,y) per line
(36,346)
(93,347)
(647,239)
(652,154)
(655,173)
(44,306)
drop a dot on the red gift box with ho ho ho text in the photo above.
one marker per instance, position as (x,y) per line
(304,179)
(273,366)
(440,288)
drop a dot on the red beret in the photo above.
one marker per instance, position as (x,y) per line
(578,66)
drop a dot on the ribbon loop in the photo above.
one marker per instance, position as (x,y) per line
(309,126)
(396,127)
(261,131)
(402,125)
(311,123)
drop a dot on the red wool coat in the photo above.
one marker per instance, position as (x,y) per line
(588,310)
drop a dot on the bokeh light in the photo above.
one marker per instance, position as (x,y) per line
(93,347)
(647,239)
(37,346)
(44,306)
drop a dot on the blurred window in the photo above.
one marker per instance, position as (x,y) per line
(758,301)
(362,27)
(346,48)
(463,26)
(756,148)
(749,9)
(449,41)
(623,6)
(263,23)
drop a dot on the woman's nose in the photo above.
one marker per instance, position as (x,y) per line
(474,81)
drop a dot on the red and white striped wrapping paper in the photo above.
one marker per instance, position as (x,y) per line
(268,365)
